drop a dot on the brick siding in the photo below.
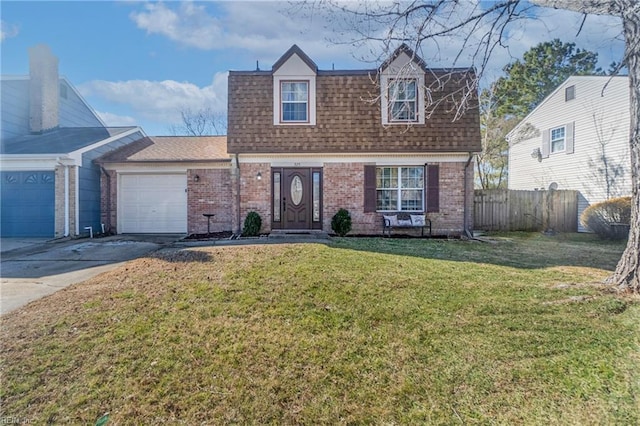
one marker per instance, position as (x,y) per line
(255,194)
(211,194)
(343,188)
(343,185)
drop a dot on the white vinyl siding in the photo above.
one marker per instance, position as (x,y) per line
(594,120)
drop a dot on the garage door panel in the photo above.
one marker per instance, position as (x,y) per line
(155,203)
(27,208)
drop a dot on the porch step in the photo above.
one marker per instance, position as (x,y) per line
(299,235)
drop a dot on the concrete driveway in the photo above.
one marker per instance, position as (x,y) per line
(31,269)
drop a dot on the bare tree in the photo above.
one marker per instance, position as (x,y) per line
(200,123)
(483,25)
(492,162)
(626,276)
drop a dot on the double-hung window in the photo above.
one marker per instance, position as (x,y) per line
(400,188)
(558,139)
(294,98)
(403,104)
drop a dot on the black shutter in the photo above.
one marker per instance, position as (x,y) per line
(433,188)
(369,189)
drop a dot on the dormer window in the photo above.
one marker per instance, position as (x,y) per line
(403,105)
(294,89)
(294,97)
(402,89)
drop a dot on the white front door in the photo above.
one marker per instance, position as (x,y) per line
(152,203)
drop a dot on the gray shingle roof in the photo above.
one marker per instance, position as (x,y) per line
(59,141)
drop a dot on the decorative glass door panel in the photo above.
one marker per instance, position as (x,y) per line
(297,198)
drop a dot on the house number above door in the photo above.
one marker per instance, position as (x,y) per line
(296,190)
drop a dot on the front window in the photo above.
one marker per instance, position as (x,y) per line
(402,100)
(557,139)
(295,101)
(400,188)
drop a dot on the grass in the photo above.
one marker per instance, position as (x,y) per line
(383,331)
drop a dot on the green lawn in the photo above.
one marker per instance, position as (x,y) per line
(382,331)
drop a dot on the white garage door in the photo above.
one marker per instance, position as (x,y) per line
(152,203)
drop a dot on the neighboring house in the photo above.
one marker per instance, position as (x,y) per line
(306,142)
(166,184)
(577,139)
(50,136)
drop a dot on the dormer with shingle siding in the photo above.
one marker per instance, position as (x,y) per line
(294,89)
(348,116)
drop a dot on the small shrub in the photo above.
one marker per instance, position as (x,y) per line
(341,222)
(609,219)
(252,225)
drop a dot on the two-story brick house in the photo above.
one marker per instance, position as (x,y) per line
(306,142)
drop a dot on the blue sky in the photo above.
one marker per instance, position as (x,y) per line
(140,63)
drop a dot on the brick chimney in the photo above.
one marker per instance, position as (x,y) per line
(44,89)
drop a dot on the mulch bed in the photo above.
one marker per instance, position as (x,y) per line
(224,235)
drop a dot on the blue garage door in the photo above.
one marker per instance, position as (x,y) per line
(28,204)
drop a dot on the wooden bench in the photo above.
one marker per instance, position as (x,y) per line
(405,220)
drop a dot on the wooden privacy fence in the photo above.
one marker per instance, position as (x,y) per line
(510,210)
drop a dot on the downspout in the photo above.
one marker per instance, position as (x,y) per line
(108,200)
(239,230)
(465,221)
(77,199)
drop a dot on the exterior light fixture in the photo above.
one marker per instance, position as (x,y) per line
(196,178)
(536,153)
(259,176)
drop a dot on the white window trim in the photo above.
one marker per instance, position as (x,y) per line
(564,140)
(394,100)
(311,100)
(399,189)
(385,83)
(281,113)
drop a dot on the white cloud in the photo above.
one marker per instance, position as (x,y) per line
(264,29)
(116,120)
(267,29)
(7,30)
(160,101)
(189,24)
